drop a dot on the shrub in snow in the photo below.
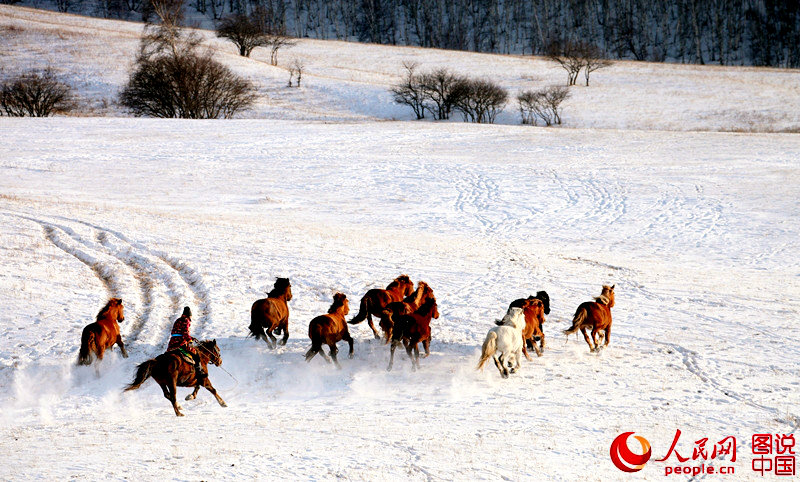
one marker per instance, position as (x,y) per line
(544,104)
(35,94)
(479,100)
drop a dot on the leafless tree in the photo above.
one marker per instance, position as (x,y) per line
(438,91)
(244,32)
(35,94)
(296,68)
(171,79)
(409,91)
(479,100)
(593,59)
(569,55)
(277,40)
(544,104)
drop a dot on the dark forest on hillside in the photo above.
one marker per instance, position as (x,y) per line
(722,32)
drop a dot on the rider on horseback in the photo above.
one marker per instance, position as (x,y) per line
(181,340)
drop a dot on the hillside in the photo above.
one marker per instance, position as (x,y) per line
(350,81)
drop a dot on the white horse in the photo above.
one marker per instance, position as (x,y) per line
(506,339)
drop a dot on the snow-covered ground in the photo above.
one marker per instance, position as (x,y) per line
(698,230)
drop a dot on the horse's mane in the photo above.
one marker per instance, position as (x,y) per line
(281,285)
(338,302)
(112,302)
(403,278)
(602,299)
(605,299)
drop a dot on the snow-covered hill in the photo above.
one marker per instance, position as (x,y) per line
(698,230)
(351,81)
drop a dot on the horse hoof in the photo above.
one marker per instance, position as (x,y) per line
(350,356)
(282,343)
(179,414)
(223,404)
(189,397)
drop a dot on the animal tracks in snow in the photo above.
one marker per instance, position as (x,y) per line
(153,284)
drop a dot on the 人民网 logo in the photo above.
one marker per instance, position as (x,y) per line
(624,458)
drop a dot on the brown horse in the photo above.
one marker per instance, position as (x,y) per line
(330,329)
(595,315)
(101,335)
(412,329)
(173,369)
(533,309)
(272,313)
(409,305)
(374,302)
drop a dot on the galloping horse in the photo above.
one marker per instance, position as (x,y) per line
(172,370)
(505,338)
(272,313)
(330,329)
(533,309)
(409,305)
(101,335)
(374,302)
(595,314)
(412,329)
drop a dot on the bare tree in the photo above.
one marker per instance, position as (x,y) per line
(296,68)
(244,32)
(409,91)
(171,79)
(593,59)
(569,56)
(277,40)
(479,100)
(439,93)
(544,104)
(35,94)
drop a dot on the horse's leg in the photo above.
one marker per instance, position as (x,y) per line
(285,326)
(349,339)
(525,351)
(324,355)
(372,326)
(415,360)
(594,338)
(210,388)
(426,344)
(193,395)
(586,337)
(173,393)
(608,333)
(273,342)
(121,346)
(504,364)
(334,351)
(395,343)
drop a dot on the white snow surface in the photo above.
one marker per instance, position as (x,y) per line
(698,230)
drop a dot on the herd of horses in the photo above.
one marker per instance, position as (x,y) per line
(404,316)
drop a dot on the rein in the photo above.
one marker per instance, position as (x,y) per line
(211,354)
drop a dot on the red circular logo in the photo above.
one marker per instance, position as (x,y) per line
(626,460)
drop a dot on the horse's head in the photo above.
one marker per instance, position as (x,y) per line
(210,350)
(536,307)
(434,308)
(545,298)
(608,292)
(283,288)
(405,284)
(113,310)
(514,317)
(340,304)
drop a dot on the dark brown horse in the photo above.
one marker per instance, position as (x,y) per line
(374,302)
(534,310)
(173,369)
(101,335)
(272,314)
(330,329)
(595,315)
(409,305)
(412,329)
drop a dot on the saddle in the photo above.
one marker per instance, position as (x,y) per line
(185,355)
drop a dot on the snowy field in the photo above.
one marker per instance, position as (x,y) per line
(698,230)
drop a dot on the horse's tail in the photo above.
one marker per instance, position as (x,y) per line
(363,311)
(489,349)
(577,320)
(256,325)
(88,345)
(143,372)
